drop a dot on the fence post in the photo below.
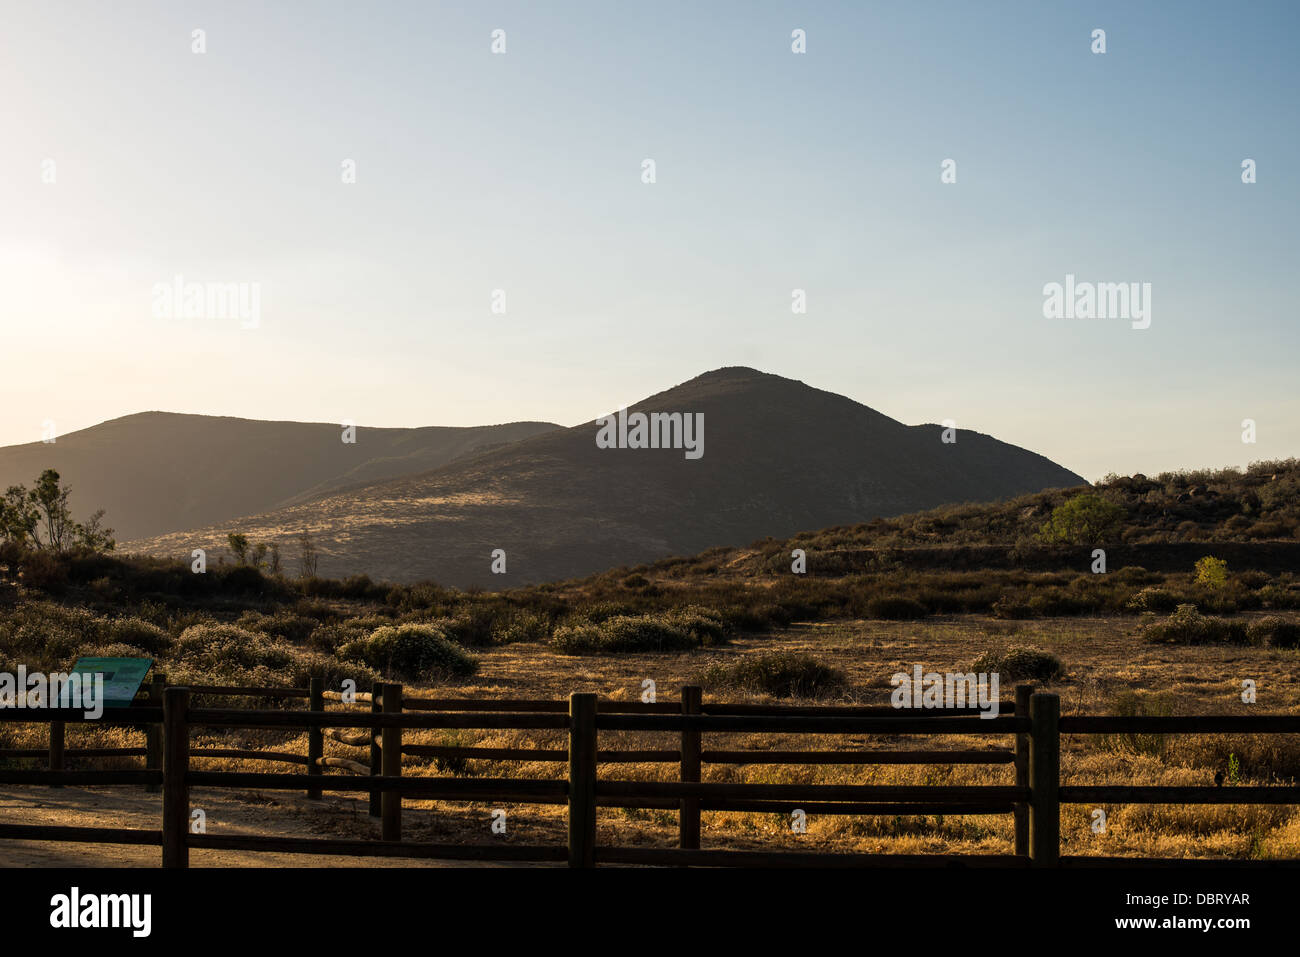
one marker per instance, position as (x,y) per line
(376,696)
(153,733)
(582,780)
(688,816)
(57,729)
(1045,780)
(176,790)
(315,734)
(391,801)
(1023,694)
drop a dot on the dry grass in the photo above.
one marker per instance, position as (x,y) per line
(1103,658)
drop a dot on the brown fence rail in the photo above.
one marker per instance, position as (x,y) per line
(1034,800)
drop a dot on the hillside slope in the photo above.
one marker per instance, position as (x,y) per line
(779,457)
(159,472)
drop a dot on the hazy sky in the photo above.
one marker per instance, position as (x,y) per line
(523,172)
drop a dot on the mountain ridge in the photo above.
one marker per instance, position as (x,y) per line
(780,457)
(157,472)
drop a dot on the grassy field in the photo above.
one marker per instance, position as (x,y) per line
(1177,635)
(1109,668)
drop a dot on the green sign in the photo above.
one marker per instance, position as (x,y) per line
(122,677)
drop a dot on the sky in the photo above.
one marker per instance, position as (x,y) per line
(128,159)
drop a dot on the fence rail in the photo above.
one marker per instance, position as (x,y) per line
(168,715)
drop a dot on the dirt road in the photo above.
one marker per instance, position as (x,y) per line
(227,813)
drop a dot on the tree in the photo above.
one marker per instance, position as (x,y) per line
(51,499)
(41,517)
(19,517)
(1086,519)
(1211,572)
(239,545)
(95,535)
(306,555)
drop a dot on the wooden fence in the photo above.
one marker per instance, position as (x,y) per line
(169,715)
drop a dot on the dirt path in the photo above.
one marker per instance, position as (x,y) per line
(227,813)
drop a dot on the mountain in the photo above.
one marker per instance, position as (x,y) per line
(778,457)
(159,472)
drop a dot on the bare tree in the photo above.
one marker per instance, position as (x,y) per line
(306,555)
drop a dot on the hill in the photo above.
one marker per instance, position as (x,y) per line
(159,472)
(778,456)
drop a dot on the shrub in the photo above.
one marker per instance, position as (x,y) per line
(679,630)
(896,607)
(1153,599)
(1274,632)
(1136,575)
(524,626)
(283,624)
(49,636)
(1131,704)
(1009,606)
(1187,626)
(229,650)
(1279,596)
(316,609)
(1086,519)
(476,626)
(140,634)
(746,618)
(1211,572)
(44,570)
(242,580)
(413,652)
(703,623)
(782,674)
(334,671)
(1055,603)
(1020,664)
(1254,579)
(603,611)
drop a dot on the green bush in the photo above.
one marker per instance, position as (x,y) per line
(1211,572)
(1020,664)
(412,652)
(781,674)
(1086,519)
